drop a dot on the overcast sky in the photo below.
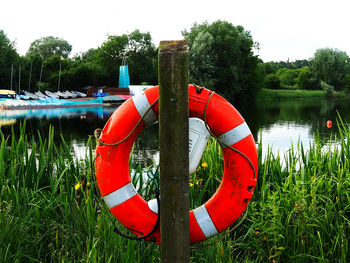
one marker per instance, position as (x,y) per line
(284,29)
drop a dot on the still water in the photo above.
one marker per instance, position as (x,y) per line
(279,124)
(276,124)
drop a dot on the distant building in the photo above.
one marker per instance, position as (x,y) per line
(116,91)
(89,90)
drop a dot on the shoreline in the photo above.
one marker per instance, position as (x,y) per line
(269,94)
(53,106)
(4,107)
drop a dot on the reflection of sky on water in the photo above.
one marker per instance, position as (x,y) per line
(79,149)
(281,135)
(281,124)
(75,124)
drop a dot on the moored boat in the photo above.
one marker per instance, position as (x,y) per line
(6,103)
(79,94)
(31,95)
(61,95)
(51,94)
(70,94)
(41,95)
(7,94)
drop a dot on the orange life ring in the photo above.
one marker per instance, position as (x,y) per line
(236,187)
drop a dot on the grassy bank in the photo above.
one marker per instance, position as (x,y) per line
(50,210)
(269,94)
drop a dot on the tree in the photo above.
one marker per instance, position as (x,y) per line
(306,80)
(292,65)
(82,74)
(201,60)
(330,66)
(346,82)
(49,46)
(288,76)
(8,57)
(270,68)
(329,89)
(31,69)
(51,69)
(221,57)
(301,63)
(272,81)
(141,57)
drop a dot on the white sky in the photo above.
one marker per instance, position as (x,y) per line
(284,29)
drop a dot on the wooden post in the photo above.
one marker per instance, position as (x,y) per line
(173,137)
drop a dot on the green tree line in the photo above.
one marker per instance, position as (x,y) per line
(221,58)
(328,69)
(40,67)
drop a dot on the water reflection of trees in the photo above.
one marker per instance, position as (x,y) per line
(313,113)
(79,126)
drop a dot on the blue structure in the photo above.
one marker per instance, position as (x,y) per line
(124,79)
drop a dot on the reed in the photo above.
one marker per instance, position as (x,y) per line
(50,210)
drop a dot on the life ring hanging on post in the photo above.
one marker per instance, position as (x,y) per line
(240,165)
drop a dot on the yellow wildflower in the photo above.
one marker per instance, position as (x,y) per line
(199,181)
(77,186)
(204,165)
(191,184)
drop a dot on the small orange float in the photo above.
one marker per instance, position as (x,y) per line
(329,124)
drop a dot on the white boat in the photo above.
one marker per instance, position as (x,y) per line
(74,94)
(51,94)
(61,95)
(22,97)
(31,95)
(41,95)
(79,94)
(70,94)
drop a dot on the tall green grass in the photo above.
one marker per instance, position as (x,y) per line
(43,218)
(300,211)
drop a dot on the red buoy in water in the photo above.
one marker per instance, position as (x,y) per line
(329,124)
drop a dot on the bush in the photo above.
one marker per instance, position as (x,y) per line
(346,83)
(329,89)
(306,80)
(289,87)
(288,76)
(272,82)
(303,77)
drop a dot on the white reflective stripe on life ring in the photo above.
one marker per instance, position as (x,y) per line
(234,135)
(142,105)
(120,196)
(204,221)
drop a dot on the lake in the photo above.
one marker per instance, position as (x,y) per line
(284,122)
(275,123)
